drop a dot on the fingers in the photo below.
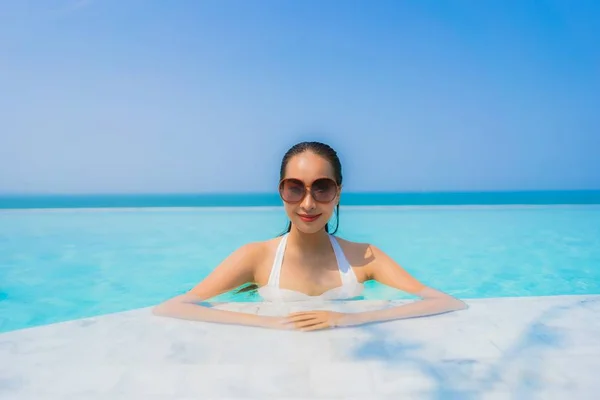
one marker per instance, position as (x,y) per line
(304,322)
(308,321)
(304,313)
(311,325)
(302,316)
(322,325)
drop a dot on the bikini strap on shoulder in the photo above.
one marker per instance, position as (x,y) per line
(344,266)
(277,262)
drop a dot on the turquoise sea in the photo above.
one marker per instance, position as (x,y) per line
(66,257)
(272,199)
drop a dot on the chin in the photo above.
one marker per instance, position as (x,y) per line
(310,231)
(309,228)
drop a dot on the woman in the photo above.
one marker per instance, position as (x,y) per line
(317,265)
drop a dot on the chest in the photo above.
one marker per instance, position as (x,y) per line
(310,275)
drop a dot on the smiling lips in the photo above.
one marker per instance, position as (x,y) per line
(309,218)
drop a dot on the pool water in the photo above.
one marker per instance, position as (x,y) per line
(57,265)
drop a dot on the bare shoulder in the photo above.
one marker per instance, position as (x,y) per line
(357,253)
(373,263)
(262,254)
(362,253)
(249,251)
(257,251)
(247,257)
(238,268)
(267,246)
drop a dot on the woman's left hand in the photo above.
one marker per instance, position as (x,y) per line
(314,320)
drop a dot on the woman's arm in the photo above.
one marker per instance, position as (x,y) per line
(385,270)
(236,270)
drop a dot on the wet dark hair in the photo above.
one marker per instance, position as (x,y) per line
(328,153)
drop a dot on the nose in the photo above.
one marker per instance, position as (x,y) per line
(308,203)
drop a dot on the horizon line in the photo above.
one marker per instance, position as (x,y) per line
(275,193)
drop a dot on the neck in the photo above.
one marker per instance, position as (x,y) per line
(310,242)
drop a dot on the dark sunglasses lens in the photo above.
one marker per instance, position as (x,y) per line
(292,190)
(324,190)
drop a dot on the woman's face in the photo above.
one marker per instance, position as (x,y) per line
(306,173)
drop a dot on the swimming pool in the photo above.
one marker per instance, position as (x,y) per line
(57,265)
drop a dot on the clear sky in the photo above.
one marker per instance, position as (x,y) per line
(206,96)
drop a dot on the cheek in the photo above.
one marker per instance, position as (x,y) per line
(289,209)
(330,208)
(327,209)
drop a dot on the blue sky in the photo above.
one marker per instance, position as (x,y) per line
(206,96)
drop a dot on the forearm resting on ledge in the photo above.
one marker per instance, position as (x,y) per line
(187,307)
(430,305)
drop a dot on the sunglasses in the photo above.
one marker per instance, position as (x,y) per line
(322,190)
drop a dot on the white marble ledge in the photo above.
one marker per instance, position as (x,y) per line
(530,348)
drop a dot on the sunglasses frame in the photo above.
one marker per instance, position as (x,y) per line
(308,190)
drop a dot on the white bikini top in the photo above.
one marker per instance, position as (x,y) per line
(350,287)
